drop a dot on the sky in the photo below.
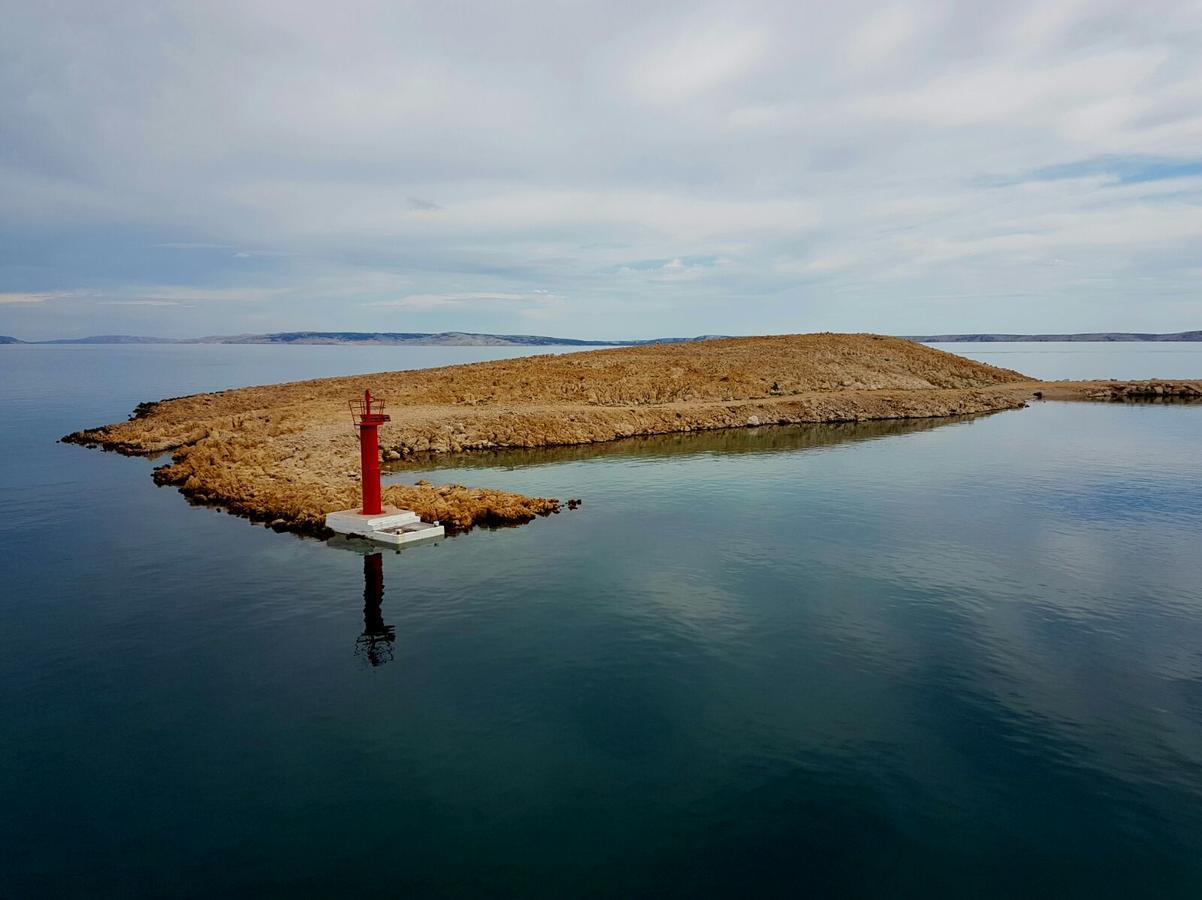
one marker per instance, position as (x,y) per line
(600,170)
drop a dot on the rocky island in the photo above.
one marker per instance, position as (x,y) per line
(286,454)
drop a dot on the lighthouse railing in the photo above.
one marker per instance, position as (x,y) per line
(367,407)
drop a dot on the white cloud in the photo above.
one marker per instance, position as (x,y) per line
(433,301)
(822,262)
(1029,94)
(694,61)
(21,298)
(882,34)
(163,295)
(139,303)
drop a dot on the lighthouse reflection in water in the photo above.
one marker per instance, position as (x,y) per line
(375,643)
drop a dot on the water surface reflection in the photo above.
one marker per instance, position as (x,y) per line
(760,440)
(375,643)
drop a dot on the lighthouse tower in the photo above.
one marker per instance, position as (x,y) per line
(368,415)
(373,520)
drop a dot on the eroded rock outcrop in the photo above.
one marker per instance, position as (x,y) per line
(1118,391)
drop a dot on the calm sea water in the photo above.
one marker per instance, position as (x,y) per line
(941,659)
(1078,361)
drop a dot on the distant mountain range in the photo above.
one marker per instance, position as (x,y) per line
(104,339)
(470,339)
(381,338)
(439,339)
(1095,337)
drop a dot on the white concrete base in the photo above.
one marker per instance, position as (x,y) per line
(408,534)
(351,521)
(392,526)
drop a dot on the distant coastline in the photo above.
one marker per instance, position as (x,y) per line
(376,338)
(1100,337)
(472,339)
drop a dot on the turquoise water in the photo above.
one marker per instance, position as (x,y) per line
(927,659)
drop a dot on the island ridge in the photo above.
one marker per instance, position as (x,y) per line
(287,454)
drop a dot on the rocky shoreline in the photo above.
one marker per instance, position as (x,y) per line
(1119,391)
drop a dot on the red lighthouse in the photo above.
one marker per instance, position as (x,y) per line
(373,521)
(368,414)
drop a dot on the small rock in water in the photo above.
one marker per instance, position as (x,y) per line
(753,420)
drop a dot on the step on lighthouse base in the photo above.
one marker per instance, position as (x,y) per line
(390,526)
